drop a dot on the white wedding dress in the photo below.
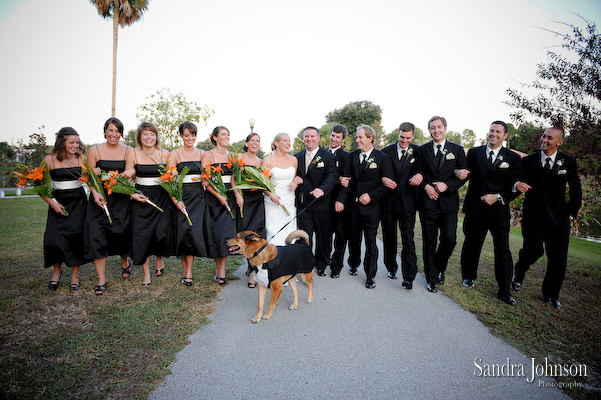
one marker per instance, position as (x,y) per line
(274,215)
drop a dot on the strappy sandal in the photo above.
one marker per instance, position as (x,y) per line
(146,284)
(99,290)
(252,285)
(53,285)
(75,286)
(188,281)
(126,271)
(159,272)
(221,280)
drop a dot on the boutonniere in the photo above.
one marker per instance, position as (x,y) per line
(316,160)
(504,165)
(500,157)
(560,163)
(410,151)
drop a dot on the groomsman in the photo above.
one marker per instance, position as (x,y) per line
(494,170)
(398,206)
(546,213)
(341,218)
(368,167)
(444,168)
(316,177)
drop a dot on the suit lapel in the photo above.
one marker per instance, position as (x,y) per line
(481,157)
(430,154)
(441,162)
(301,162)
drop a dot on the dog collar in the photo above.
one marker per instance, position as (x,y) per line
(259,251)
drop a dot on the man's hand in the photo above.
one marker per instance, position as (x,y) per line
(489,199)
(344,181)
(365,199)
(338,207)
(317,193)
(440,187)
(461,174)
(416,180)
(297,180)
(431,192)
(389,183)
(522,187)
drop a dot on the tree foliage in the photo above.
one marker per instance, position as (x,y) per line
(167,111)
(359,113)
(468,138)
(569,87)
(525,138)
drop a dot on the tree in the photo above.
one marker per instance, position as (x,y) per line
(167,111)
(453,136)
(130,138)
(468,138)
(358,113)
(569,94)
(526,138)
(124,13)
(324,139)
(238,147)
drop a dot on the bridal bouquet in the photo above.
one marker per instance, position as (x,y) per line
(213,176)
(258,179)
(237,166)
(120,184)
(38,177)
(89,177)
(174,184)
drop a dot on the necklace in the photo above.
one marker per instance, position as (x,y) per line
(220,155)
(188,154)
(153,153)
(106,148)
(254,162)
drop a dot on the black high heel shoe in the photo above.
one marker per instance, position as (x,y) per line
(53,285)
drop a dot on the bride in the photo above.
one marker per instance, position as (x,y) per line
(283,170)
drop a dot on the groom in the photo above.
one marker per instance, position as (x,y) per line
(316,176)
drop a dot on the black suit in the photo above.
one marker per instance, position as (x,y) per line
(323,174)
(545,218)
(440,214)
(341,225)
(398,206)
(498,178)
(365,218)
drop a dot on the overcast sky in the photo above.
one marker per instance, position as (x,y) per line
(285,63)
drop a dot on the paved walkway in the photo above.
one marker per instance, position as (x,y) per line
(350,343)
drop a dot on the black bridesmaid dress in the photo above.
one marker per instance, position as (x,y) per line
(219,224)
(63,239)
(254,211)
(153,231)
(102,238)
(190,239)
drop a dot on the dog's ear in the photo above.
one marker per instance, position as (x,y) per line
(259,231)
(251,236)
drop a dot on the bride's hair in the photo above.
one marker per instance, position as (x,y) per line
(277,138)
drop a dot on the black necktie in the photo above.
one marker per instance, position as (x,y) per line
(438,153)
(490,157)
(403,154)
(547,167)
(363,163)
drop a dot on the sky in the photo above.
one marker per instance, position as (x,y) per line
(284,63)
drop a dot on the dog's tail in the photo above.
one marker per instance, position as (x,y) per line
(298,234)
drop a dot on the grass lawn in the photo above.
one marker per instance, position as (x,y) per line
(73,344)
(569,335)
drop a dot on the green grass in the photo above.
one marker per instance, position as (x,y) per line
(571,334)
(73,344)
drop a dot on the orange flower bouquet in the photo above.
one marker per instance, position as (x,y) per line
(89,177)
(236,164)
(213,176)
(174,184)
(113,182)
(258,179)
(38,177)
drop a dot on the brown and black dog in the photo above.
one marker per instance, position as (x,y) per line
(276,265)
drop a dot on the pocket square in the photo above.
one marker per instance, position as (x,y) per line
(562,172)
(412,161)
(320,165)
(504,165)
(450,156)
(373,166)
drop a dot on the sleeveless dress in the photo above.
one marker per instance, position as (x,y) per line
(274,215)
(153,231)
(190,239)
(254,211)
(63,239)
(102,238)
(219,224)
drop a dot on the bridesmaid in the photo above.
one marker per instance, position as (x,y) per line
(152,230)
(102,238)
(190,241)
(220,225)
(63,239)
(252,204)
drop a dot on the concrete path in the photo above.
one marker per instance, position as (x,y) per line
(350,343)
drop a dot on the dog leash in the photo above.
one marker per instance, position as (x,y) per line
(288,223)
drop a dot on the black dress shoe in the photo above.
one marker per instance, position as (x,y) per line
(516,285)
(407,285)
(321,272)
(508,300)
(553,301)
(441,278)
(335,275)
(432,287)
(392,275)
(370,284)
(353,271)
(468,283)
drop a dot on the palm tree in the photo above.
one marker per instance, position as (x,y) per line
(124,13)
